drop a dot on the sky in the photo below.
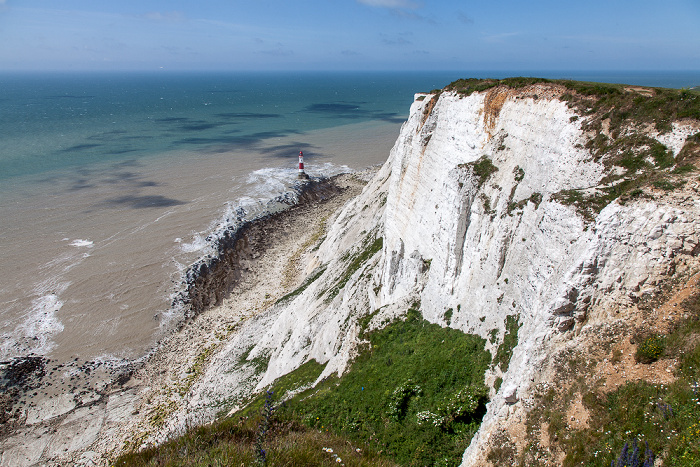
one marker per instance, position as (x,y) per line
(356,35)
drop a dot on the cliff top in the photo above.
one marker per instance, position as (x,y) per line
(632,130)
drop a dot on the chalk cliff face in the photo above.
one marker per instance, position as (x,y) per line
(473,227)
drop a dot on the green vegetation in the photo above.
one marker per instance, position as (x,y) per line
(416,393)
(195,370)
(471,85)
(510,340)
(448,316)
(627,112)
(618,116)
(232,442)
(650,349)
(666,416)
(482,168)
(535,198)
(318,272)
(519,174)
(285,386)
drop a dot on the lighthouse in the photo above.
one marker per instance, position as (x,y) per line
(302,175)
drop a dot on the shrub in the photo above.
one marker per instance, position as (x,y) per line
(483,168)
(510,340)
(650,349)
(398,401)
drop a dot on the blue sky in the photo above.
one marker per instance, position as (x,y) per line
(349,35)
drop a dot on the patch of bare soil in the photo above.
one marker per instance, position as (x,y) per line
(640,90)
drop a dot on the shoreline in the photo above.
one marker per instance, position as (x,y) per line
(101,286)
(257,262)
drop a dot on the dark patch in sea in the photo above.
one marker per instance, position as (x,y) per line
(107,136)
(143,202)
(333,108)
(69,96)
(127,163)
(122,151)
(172,120)
(291,150)
(247,115)
(242,140)
(119,177)
(81,184)
(353,111)
(199,126)
(81,147)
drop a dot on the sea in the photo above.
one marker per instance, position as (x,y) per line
(110,184)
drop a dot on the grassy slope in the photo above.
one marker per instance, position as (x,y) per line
(407,368)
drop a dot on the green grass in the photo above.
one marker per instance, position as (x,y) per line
(231,442)
(667,417)
(510,340)
(303,376)
(468,86)
(416,393)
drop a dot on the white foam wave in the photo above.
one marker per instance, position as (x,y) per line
(35,329)
(35,333)
(198,243)
(78,243)
(270,181)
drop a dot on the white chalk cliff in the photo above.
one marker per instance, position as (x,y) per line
(485,246)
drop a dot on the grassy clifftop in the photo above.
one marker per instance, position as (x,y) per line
(623,125)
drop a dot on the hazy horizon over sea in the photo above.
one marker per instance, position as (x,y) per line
(110,183)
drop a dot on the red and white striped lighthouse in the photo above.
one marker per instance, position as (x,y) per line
(302,174)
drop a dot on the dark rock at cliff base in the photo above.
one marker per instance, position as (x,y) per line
(22,372)
(210,280)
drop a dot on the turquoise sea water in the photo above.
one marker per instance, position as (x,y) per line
(50,122)
(110,183)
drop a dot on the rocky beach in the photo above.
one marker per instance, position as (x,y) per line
(51,417)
